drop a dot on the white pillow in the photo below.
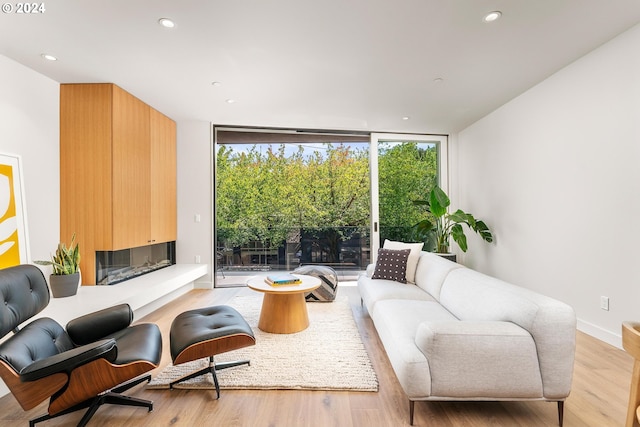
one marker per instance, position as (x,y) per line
(414,256)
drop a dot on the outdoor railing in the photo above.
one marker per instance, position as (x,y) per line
(338,247)
(343,248)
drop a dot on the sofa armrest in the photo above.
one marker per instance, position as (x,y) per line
(470,295)
(470,359)
(70,359)
(97,325)
(370,269)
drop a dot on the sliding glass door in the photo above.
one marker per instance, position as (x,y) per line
(404,168)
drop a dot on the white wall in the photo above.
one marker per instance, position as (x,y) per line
(195,196)
(556,174)
(29,127)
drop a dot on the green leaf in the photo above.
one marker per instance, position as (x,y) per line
(439,202)
(458,216)
(458,235)
(483,230)
(424,226)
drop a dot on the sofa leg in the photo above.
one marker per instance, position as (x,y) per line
(560,412)
(412,404)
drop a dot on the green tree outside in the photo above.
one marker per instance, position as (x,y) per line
(264,194)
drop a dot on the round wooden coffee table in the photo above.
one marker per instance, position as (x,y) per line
(284,309)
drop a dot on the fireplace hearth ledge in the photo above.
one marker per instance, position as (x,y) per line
(137,292)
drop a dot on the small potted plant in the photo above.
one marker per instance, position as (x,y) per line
(437,233)
(65,279)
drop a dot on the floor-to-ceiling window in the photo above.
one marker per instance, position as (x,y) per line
(285,198)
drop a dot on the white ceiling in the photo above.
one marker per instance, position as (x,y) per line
(330,64)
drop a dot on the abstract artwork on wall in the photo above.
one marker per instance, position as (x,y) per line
(13,223)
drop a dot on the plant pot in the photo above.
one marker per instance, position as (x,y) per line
(449,256)
(64,285)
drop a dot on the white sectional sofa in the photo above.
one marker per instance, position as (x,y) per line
(457,334)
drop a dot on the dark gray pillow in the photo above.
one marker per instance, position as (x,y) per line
(392,265)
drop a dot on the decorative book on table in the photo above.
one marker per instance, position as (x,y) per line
(282,279)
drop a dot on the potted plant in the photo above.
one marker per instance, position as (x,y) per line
(65,279)
(437,233)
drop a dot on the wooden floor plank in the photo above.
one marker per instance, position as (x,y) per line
(598,398)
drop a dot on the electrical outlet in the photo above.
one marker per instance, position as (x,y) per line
(604,303)
(197,259)
(196,218)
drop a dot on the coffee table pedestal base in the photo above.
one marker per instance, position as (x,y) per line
(284,313)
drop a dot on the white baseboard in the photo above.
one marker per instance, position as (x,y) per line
(600,333)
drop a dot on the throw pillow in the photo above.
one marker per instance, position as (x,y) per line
(391,265)
(414,256)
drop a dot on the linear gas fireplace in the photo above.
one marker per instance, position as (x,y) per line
(117,266)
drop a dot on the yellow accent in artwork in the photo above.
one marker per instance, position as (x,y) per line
(9,244)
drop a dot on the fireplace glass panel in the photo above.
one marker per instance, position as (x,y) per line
(117,266)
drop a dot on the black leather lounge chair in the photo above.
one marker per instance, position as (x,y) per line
(96,358)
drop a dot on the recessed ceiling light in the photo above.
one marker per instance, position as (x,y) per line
(438,80)
(166,23)
(230,101)
(406,118)
(49,57)
(492,16)
(216,84)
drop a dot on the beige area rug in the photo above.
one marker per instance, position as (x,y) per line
(328,355)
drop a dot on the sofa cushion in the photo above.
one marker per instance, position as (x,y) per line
(414,256)
(431,271)
(372,291)
(392,265)
(480,359)
(397,322)
(471,295)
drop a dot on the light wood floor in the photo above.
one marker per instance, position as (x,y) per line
(599,396)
